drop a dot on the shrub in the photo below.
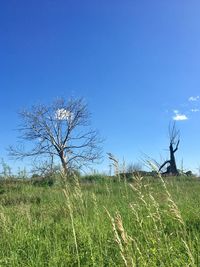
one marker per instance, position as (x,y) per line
(48,180)
(91,178)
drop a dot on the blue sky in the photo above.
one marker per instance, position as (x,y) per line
(135,62)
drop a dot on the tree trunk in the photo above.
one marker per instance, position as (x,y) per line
(173,169)
(63,162)
(174,142)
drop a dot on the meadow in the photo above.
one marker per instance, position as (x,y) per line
(102,222)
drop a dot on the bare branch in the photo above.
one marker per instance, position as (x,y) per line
(60,129)
(166,162)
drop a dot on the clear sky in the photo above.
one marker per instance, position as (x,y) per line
(136,62)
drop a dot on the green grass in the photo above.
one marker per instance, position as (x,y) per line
(150,223)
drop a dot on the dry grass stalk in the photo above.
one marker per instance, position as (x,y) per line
(4,221)
(72,223)
(192,261)
(77,190)
(94,200)
(172,205)
(175,212)
(121,238)
(120,228)
(157,214)
(25,210)
(115,164)
(108,189)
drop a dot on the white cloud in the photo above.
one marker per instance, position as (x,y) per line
(193,98)
(175,111)
(180,117)
(195,110)
(63,114)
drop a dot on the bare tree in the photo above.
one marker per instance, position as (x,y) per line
(60,130)
(174,137)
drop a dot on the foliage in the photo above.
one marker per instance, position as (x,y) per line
(94,178)
(6,172)
(47,180)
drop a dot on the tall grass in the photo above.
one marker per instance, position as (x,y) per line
(149,222)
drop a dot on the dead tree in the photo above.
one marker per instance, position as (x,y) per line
(60,130)
(174,136)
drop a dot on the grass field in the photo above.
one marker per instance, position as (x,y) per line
(149,222)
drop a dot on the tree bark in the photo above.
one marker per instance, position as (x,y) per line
(171,169)
(63,162)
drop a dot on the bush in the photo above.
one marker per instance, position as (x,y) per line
(91,178)
(48,180)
